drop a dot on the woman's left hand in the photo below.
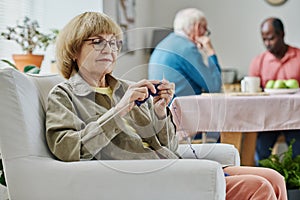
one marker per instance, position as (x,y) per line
(164,97)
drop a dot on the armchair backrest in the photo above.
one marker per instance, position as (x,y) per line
(23,102)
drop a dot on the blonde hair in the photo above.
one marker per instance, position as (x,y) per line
(72,36)
(185,19)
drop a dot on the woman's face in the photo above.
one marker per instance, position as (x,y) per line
(98,55)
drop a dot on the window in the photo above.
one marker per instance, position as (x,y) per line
(12,11)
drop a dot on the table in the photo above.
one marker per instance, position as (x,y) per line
(235,113)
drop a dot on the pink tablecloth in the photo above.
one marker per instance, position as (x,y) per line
(226,113)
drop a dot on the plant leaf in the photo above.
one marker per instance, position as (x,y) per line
(9,63)
(286,165)
(31,69)
(2,177)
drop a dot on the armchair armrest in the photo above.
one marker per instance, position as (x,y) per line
(225,154)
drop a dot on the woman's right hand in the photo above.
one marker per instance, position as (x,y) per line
(137,91)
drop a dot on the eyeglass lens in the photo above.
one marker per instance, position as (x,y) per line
(99,44)
(207,32)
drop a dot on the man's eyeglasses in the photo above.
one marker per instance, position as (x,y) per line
(100,43)
(207,32)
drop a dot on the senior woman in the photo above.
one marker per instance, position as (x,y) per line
(94,115)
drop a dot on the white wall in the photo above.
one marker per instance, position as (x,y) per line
(134,66)
(234,25)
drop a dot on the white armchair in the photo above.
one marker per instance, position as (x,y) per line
(32,173)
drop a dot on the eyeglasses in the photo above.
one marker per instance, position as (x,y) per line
(207,32)
(100,43)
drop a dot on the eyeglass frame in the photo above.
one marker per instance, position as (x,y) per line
(118,43)
(207,32)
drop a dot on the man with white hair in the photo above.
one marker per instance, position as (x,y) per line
(187,57)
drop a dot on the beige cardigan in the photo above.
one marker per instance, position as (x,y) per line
(78,125)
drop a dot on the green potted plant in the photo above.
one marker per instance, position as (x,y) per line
(288,167)
(28,36)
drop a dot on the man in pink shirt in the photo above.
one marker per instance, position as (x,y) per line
(280,61)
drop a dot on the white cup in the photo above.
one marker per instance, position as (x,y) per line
(250,84)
